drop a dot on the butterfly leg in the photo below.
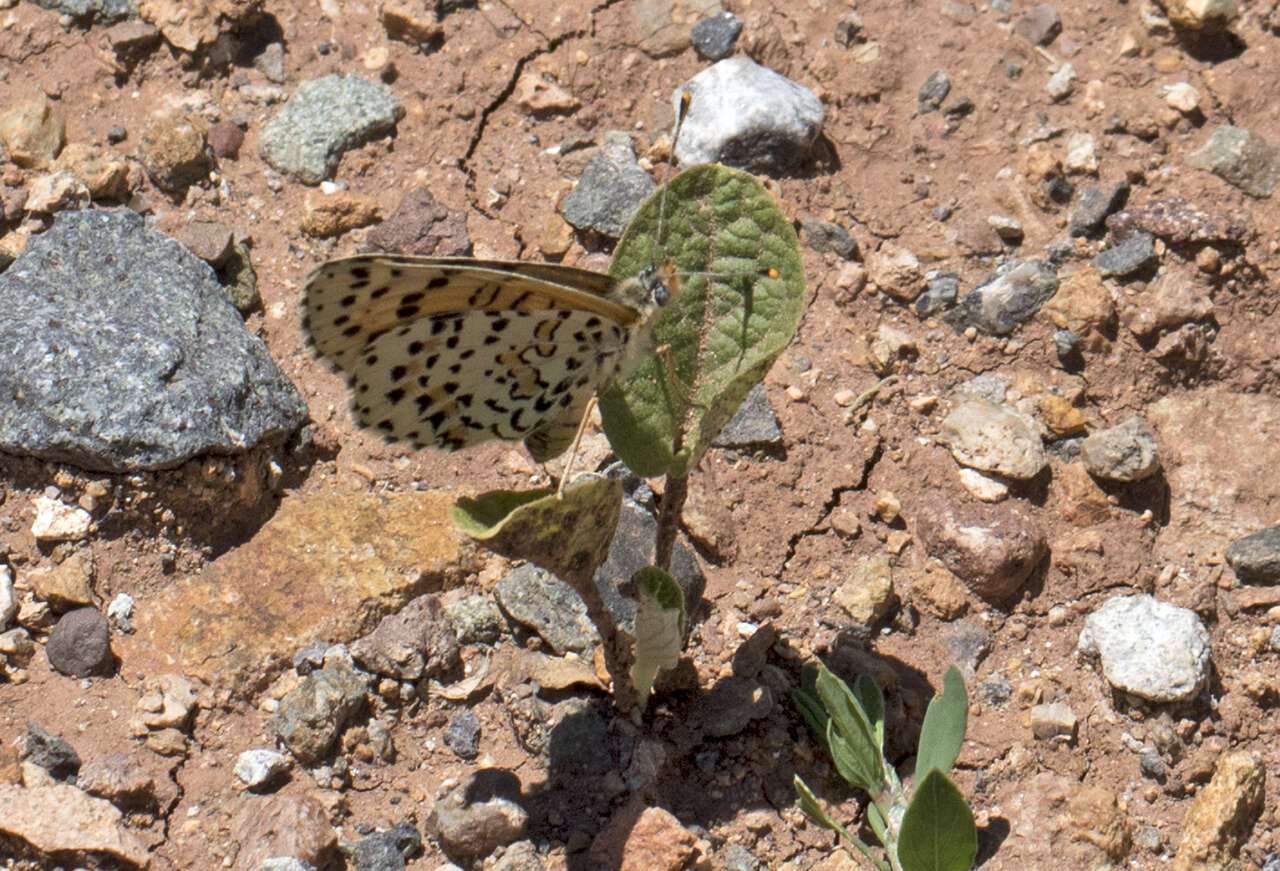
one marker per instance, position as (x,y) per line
(573,449)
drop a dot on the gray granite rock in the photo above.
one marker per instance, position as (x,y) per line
(324,118)
(124,353)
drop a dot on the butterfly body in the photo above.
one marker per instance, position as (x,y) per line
(453,352)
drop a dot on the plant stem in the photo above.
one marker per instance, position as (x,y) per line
(677,490)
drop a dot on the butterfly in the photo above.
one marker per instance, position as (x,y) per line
(454,351)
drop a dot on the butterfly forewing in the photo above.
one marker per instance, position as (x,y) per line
(453,352)
(351,300)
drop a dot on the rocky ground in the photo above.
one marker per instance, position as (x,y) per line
(1027,426)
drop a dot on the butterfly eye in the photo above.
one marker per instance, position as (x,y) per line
(660,294)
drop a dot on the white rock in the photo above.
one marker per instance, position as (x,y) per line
(749,112)
(1062,82)
(1082,156)
(1149,648)
(56,521)
(981,486)
(257,768)
(991,437)
(1182,97)
(8,599)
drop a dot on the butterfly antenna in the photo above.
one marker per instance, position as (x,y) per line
(686,97)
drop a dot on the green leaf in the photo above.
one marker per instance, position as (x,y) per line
(813,809)
(810,706)
(943,730)
(567,533)
(872,702)
(659,627)
(720,337)
(938,833)
(483,516)
(851,739)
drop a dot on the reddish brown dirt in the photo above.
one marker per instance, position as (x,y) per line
(778,554)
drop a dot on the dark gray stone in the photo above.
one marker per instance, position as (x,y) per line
(535,598)
(1007,299)
(610,190)
(823,236)
(1061,190)
(123,353)
(80,643)
(849,29)
(933,92)
(324,118)
(631,550)
(1256,557)
(312,716)
(1134,255)
(713,37)
(1096,203)
(754,423)
(389,850)
(50,752)
(463,735)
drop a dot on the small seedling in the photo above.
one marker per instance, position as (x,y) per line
(930,830)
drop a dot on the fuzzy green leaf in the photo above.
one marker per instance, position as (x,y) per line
(659,627)
(944,723)
(938,833)
(720,337)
